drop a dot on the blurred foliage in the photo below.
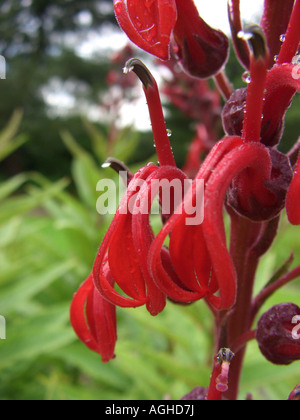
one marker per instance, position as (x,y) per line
(38,38)
(48,242)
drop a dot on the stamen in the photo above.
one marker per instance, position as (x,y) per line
(256,90)
(120,168)
(160,132)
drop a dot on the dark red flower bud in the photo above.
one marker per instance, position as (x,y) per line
(234,112)
(278,334)
(261,201)
(202,50)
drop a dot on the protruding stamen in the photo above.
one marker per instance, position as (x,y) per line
(255,37)
(120,168)
(160,133)
(139,68)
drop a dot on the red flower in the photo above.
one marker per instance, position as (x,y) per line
(202,50)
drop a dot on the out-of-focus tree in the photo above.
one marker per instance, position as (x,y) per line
(40,41)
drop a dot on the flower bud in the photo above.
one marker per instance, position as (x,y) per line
(277,334)
(262,201)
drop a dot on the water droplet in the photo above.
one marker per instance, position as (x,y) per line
(296,60)
(169,133)
(276,57)
(246,77)
(282,38)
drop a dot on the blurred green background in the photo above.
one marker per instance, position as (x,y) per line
(52,145)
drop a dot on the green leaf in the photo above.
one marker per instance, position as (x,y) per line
(22,289)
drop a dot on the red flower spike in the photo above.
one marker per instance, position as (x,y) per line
(293,197)
(148,23)
(202,50)
(274,23)
(94,319)
(240,45)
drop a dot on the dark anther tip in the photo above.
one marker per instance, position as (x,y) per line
(118,166)
(139,68)
(255,36)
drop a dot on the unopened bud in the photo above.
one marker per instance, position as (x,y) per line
(276,334)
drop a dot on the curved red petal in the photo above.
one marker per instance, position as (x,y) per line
(142,231)
(148,23)
(77,315)
(127,274)
(252,155)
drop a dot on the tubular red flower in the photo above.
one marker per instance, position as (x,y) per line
(293,197)
(148,23)
(94,319)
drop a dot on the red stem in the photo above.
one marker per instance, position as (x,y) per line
(239,320)
(270,290)
(223,84)
(292,37)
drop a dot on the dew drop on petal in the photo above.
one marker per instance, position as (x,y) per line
(296,60)
(246,77)
(276,58)
(282,38)
(169,133)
